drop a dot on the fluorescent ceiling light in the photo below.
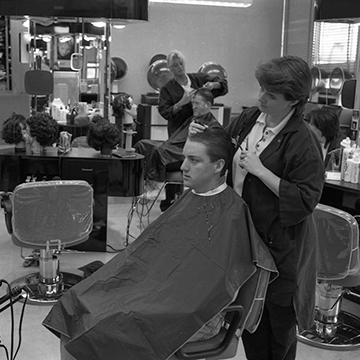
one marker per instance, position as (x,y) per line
(119,26)
(46,38)
(64,39)
(98,24)
(223,3)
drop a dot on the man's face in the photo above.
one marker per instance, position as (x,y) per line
(199,173)
(200,106)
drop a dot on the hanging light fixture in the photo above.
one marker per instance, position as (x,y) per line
(223,3)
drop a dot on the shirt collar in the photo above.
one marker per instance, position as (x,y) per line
(274,130)
(212,192)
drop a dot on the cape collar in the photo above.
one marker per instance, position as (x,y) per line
(212,192)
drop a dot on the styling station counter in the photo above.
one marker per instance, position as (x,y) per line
(342,195)
(119,175)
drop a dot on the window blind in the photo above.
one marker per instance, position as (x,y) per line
(335,45)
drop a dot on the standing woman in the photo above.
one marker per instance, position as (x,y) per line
(175,101)
(278,170)
(175,95)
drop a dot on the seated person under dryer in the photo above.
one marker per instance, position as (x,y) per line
(177,276)
(325,124)
(159,156)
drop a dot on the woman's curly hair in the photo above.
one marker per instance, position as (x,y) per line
(102,132)
(43,128)
(120,103)
(12,129)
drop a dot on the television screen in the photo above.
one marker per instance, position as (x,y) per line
(110,9)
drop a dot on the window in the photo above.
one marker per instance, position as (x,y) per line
(335,45)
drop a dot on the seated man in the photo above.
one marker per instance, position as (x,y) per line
(187,266)
(160,156)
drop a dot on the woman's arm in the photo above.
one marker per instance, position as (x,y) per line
(252,163)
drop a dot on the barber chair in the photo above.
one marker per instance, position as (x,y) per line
(348,93)
(48,216)
(221,346)
(338,272)
(39,84)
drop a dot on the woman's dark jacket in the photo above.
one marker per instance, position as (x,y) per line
(285,222)
(172,92)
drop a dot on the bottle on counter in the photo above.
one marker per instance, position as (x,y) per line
(345,153)
(56,105)
(355,167)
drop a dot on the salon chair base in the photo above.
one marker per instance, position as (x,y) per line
(42,293)
(346,335)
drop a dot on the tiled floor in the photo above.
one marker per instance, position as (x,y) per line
(38,343)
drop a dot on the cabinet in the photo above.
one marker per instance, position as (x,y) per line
(113,176)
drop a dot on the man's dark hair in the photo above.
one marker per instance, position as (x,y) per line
(206,94)
(218,145)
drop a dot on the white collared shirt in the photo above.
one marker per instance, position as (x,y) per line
(212,192)
(257,140)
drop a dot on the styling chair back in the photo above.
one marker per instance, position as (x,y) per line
(221,346)
(243,313)
(348,93)
(338,271)
(49,216)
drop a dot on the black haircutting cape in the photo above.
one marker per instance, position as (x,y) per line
(146,302)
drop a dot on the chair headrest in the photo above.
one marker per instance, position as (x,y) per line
(52,210)
(348,93)
(39,82)
(338,235)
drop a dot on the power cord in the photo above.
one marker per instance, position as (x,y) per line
(12,322)
(20,326)
(11,292)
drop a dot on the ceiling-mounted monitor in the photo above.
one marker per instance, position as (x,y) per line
(109,9)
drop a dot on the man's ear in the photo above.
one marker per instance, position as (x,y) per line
(219,165)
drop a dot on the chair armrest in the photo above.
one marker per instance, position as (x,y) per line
(217,344)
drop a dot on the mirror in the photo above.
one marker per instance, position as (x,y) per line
(76,61)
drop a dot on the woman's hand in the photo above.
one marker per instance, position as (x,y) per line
(186,98)
(195,128)
(212,85)
(251,163)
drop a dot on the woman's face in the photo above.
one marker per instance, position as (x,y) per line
(177,66)
(274,103)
